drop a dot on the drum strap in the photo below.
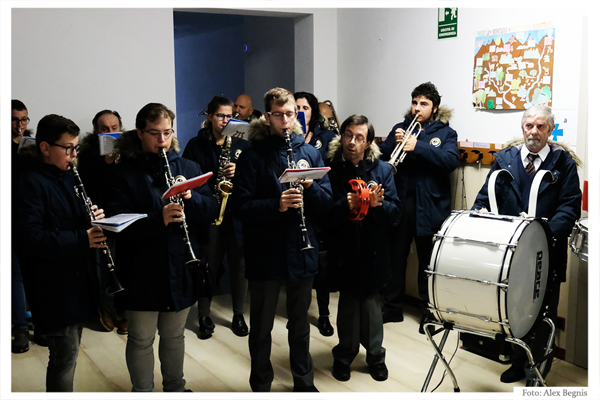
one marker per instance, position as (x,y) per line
(535,188)
(492,189)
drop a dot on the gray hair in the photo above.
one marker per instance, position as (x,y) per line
(539,110)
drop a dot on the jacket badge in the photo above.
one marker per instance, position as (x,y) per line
(303,164)
(371,184)
(435,142)
(318,145)
(237,153)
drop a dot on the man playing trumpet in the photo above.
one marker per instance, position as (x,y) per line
(423,184)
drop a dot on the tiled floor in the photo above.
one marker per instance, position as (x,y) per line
(222,363)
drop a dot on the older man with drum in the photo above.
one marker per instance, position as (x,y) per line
(559,200)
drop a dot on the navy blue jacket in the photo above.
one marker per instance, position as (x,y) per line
(358,251)
(559,200)
(429,165)
(151,257)
(321,139)
(272,238)
(54,249)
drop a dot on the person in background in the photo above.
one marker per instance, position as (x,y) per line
(95,171)
(319,137)
(225,239)
(243,110)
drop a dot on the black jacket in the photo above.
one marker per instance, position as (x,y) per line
(151,257)
(53,248)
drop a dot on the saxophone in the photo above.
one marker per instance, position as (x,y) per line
(224,187)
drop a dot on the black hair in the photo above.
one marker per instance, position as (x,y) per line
(52,127)
(316,116)
(17,105)
(428,90)
(214,105)
(103,112)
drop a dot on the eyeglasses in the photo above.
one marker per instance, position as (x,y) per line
(18,121)
(221,117)
(349,137)
(68,149)
(279,115)
(167,134)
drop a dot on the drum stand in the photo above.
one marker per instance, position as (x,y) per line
(534,366)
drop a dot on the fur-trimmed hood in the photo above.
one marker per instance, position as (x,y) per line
(260,129)
(554,146)
(443,114)
(129,145)
(334,154)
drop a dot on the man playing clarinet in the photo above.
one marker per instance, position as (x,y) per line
(271,215)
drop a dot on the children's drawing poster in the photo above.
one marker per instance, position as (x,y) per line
(513,67)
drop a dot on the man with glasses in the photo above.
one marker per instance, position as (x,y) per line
(19,120)
(269,214)
(54,240)
(225,239)
(159,288)
(359,251)
(423,184)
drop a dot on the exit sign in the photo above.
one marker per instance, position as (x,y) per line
(447,22)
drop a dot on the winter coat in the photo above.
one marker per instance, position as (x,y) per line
(558,200)
(151,257)
(204,150)
(95,172)
(321,139)
(358,251)
(53,247)
(429,166)
(272,238)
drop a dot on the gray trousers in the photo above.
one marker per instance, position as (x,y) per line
(139,353)
(263,304)
(359,321)
(64,350)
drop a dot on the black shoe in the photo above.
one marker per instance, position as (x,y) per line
(379,372)
(206,328)
(20,344)
(390,317)
(238,325)
(310,388)
(341,371)
(40,340)
(513,374)
(324,326)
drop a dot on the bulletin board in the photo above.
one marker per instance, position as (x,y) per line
(513,67)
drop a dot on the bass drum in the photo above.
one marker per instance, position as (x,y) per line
(489,273)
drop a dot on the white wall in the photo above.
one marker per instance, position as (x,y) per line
(396,49)
(76,62)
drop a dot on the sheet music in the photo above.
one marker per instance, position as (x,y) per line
(292,175)
(236,129)
(107,142)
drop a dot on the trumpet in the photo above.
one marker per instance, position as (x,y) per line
(190,257)
(398,155)
(297,185)
(115,285)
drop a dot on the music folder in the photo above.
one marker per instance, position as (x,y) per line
(186,185)
(107,142)
(236,129)
(118,222)
(293,175)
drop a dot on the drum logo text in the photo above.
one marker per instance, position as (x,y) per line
(538,275)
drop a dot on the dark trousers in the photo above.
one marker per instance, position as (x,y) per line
(263,304)
(223,241)
(64,349)
(537,339)
(321,285)
(19,307)
(401,238)
(359,321)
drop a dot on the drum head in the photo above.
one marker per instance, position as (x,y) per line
(527,279)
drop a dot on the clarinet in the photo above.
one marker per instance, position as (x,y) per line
(190,257)
(115,285)
(297,185)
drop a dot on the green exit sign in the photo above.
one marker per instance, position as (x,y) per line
(447,22)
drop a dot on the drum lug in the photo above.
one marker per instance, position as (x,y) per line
(504,285)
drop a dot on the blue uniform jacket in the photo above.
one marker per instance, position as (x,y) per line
(54,249)
(151,257)
(272,238)
(358,251)
(559,200)
(321,139)
(429,165)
